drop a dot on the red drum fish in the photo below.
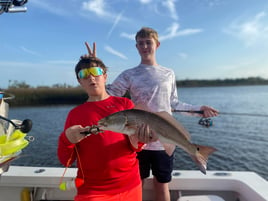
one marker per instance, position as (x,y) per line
(168,129)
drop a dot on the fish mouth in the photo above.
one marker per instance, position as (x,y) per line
(101,127)
(101,124)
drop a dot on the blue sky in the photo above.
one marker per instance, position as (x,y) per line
(200,39)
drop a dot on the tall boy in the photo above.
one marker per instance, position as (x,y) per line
(152,87)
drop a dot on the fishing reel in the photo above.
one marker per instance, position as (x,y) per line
(12,6)
(207,122)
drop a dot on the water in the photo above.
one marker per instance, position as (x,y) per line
(241,140)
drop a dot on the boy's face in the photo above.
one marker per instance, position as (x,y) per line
(93,85)
(147,47)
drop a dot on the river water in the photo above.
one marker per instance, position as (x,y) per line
(240,133)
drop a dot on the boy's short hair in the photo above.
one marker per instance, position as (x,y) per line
(145,32)
(87,62)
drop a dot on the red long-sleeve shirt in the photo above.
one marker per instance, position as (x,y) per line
(108,161)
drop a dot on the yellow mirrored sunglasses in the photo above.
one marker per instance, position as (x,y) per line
(95,71)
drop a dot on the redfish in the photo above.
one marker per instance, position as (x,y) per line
(168,129)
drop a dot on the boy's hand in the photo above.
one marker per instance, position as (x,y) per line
(209,111)
(90,52)
(74,135)
(145,134)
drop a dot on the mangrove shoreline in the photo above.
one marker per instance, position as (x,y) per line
(25,95)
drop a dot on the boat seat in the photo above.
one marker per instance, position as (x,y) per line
(200,198)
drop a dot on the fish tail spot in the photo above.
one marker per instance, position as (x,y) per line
(201,156)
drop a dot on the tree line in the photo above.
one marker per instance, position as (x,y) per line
(25,95)
(223,82)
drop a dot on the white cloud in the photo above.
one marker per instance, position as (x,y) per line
(170,5)
(160,6)
(117,20)
(128,36)
(183,55)
(102,9)
(173,31)
(252,31)
(29,51)
(145,1)
(115,52)
(96,6)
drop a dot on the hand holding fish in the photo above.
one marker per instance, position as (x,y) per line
(143,134)
(74,135)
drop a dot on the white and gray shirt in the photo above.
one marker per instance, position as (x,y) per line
(153,87)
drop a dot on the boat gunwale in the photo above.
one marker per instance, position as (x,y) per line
(248,185)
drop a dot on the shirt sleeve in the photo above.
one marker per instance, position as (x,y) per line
(120,85)
(179,105)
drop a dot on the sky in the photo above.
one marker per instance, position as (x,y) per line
(200,39)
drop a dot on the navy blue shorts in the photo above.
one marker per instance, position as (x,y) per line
(160,163)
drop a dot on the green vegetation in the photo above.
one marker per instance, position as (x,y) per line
(223,82)
(25,95)
(46,96)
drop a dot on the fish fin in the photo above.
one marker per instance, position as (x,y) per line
(175,123)
(169,148)
(131,125)
(201,156)
(134,141)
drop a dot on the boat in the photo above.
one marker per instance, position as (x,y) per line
(25,183)
(42,183)
(12,6)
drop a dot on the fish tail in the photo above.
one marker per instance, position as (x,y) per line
(201,156)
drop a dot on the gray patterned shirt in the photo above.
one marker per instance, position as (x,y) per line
(153,87)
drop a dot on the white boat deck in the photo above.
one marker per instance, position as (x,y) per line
(44,182)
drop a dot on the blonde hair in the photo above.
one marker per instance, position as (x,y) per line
(145,32)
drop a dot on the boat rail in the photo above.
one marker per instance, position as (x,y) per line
(43,183)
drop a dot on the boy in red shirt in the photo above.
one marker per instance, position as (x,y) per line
(107,161)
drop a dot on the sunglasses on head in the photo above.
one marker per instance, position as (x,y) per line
(94,71)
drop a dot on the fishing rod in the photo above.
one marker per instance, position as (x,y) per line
(223,113)
(207,122)
(24,127)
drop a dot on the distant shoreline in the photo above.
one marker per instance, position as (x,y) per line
(222,82)
(67,95)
